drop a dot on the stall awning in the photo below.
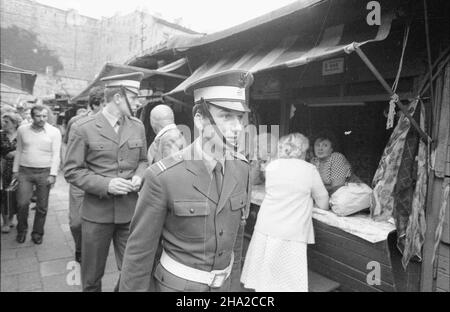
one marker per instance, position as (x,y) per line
(17,78)
(292,51)
(110,69)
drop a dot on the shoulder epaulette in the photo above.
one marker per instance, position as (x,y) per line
(167,163)
(82,121)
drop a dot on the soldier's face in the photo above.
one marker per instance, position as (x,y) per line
(132,100)
(229,122)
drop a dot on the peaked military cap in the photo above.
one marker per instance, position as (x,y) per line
(225,89)
(131,81)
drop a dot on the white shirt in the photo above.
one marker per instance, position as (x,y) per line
(112,120)
(164,129)
(209,161)
(286,211)
(38,149)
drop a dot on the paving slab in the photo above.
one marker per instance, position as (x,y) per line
(17,266)
(58,252)
(26,252)
(59,283)
(54,267)
(29,281)
(9,283)
(109,281)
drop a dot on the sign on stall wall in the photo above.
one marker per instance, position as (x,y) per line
(333,66)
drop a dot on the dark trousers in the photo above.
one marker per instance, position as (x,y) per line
(27,178)
(95,247)
(76,196)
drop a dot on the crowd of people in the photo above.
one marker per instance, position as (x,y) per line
(175,212)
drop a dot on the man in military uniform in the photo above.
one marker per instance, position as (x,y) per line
(96,102)
(106,158)
(196,200)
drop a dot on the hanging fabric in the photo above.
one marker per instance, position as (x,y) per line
(406,181)
(385,176)
(415,232)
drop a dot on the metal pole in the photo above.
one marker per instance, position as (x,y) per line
(425,137)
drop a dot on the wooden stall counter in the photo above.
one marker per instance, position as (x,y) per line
(355,251)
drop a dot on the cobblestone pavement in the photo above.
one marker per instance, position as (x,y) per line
(49,266)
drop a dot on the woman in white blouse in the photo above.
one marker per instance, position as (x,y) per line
(276,259)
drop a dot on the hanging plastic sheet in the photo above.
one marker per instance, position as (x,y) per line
(385,177)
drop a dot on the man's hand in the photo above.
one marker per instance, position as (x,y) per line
(136,181)
(15,176)
(120,186)
(51,180)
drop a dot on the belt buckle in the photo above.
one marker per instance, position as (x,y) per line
(218,280)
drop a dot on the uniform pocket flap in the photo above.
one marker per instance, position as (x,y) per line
(238,201)
(191,208)
(135,143)
(100,146)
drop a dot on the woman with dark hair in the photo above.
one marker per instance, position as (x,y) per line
(10,123)
(333,167)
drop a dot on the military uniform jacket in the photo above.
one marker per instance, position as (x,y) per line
(95,155)
(199,229)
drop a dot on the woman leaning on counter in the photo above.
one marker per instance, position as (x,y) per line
(276,257)
(333,167)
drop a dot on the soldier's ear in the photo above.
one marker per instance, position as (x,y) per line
(116,98)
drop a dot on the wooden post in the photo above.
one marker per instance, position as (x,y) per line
(285,105)
(428,282)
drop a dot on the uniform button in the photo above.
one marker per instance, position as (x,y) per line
(242,202)
(121,171)
(191,210)
(221,232)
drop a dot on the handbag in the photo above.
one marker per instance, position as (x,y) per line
(10,194)
(351,198)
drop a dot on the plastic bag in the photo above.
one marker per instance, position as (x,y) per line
(351,198)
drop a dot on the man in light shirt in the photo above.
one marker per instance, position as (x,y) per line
(169,138)
(35,164)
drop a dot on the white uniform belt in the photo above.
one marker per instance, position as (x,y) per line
(214,279)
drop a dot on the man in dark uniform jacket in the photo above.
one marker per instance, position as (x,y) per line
(106,158)
(96,102)
(196,200)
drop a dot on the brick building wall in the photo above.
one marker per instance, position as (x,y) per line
(65,35)
(67,49)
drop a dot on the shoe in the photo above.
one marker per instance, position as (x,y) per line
(37,239)
(78,256)
(21,237)
(5,229)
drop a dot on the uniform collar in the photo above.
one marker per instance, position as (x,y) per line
(210,162)
(112,120)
